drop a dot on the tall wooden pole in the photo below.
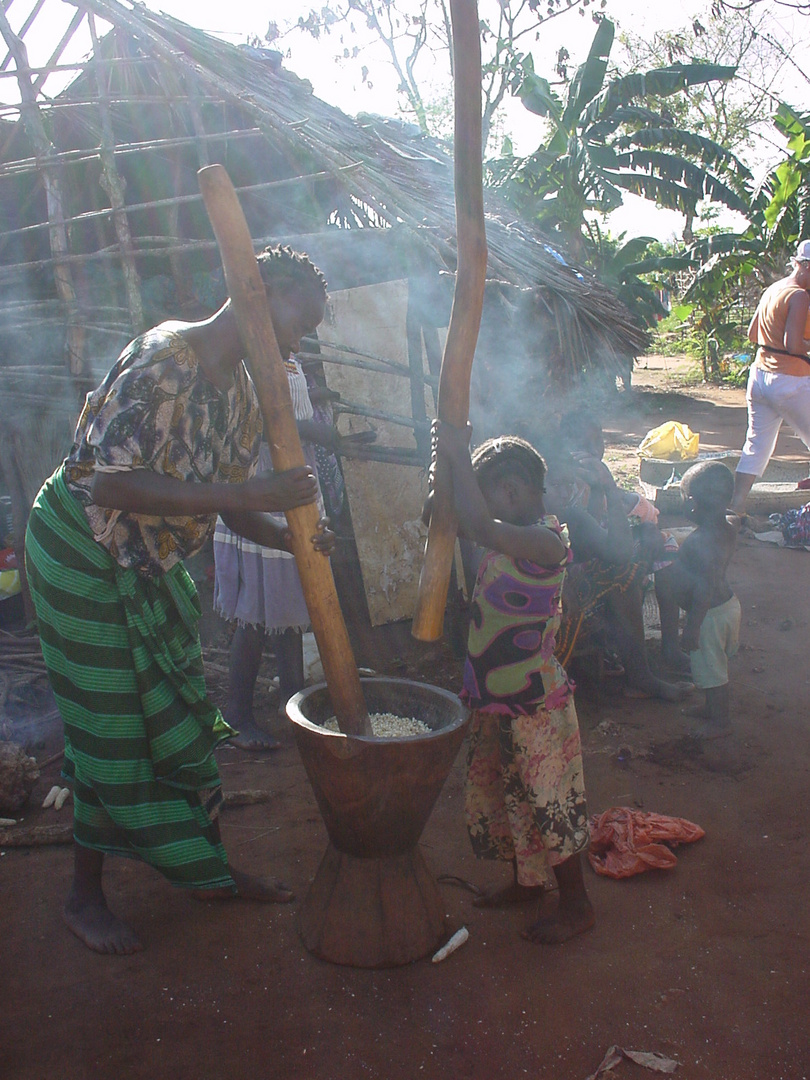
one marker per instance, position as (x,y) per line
(249,299)
(465,317)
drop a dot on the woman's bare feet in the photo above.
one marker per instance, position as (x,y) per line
(509,896)
(265,890)
(94,924)
(569,921)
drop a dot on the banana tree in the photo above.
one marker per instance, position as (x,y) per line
(619,264)
(604,140)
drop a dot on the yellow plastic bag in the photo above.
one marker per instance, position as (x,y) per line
(9,583)
(670,441)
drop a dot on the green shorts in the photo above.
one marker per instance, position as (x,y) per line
(719,640)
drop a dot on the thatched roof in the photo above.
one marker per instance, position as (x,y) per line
(99,198)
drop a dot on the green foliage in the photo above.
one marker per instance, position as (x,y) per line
(722,350)
(734,112)
(413,33)
(725,264)
(604,139)
(676,336)
(616,263)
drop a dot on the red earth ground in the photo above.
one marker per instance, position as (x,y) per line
(706,963)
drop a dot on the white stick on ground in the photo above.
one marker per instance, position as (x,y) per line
(455,941)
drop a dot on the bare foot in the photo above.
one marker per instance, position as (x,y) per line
(562,926)
(657,688)
(93,923)
(248,887)
(695,712)
(710,729)
(267,890)
(508,896)
(250,736)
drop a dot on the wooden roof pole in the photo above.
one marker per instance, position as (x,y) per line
(43,148)
(249,299)
(465,317)
(114,185)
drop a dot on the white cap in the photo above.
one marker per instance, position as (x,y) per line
(803,251)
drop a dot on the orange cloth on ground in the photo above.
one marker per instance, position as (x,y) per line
(626,842)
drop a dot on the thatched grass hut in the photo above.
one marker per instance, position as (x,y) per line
(103,231)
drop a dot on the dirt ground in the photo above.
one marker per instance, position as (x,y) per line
(706,963)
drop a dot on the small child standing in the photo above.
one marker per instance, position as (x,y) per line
(525,795)
(696,582)
(259,589)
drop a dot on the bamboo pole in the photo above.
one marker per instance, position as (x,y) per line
(249,299)
(113,184)
(78,157)
(174,200)
(465,317)
(413,336)
(43,147)
(80,65)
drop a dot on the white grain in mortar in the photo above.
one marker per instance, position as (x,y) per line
(388,725)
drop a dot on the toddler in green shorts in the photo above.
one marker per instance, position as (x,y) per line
(696,582)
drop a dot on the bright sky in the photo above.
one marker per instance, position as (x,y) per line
(341,85)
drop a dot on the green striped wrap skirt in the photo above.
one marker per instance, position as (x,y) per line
(124,659)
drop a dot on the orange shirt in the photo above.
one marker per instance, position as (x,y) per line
(770,320)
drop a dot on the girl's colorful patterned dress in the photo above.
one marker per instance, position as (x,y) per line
(525,794)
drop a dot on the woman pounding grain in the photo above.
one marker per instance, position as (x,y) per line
(168,440)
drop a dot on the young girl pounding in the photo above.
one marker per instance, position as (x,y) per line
(525,795)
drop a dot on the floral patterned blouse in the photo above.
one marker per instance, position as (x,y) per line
(515,613)
(157,410)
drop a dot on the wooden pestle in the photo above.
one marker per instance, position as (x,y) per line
(465,317)
(249,299)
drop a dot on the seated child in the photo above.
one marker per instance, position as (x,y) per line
(582,435)
(525,794)
(604,591)
(696,582)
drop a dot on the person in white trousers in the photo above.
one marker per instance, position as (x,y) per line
(779,381)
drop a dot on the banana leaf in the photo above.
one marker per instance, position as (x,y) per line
(709,153)
(659,82)
(590,76)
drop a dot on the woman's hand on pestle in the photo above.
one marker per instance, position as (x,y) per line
(272,492)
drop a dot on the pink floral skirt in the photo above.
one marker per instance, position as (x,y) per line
(525,791)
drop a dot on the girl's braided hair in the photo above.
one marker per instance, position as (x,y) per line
(281,267)
(509,455)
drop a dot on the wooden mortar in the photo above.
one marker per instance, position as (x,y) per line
(374,902)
